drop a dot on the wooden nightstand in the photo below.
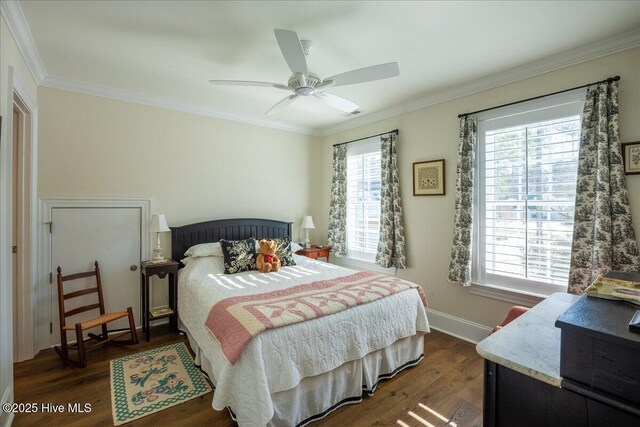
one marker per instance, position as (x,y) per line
(160,269)
(315,252)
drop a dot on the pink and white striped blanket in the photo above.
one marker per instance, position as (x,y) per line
(235,321)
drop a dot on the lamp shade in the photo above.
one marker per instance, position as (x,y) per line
(307,222)
(158,224)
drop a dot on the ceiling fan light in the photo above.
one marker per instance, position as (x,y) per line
(305,90)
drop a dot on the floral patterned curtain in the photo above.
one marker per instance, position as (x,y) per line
(338,203)
(603,234)
(391,251)
(460,264)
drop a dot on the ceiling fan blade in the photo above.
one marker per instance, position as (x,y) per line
(281,105)
(326,84)
(292,51)
(248,83)
(337,102)
(367,74)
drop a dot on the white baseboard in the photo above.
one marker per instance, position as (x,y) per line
(457,327)
(6,418)
(138,328)
(443,322)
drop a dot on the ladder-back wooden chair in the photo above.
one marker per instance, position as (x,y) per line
(101,320)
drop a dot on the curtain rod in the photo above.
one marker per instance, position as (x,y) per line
(609,80)
(396,131)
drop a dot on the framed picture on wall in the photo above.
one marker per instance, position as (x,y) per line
(428,178)
(631,158)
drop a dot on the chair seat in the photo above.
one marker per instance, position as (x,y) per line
(514,312)
(105,318)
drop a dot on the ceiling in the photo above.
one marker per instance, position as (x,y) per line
(170,49)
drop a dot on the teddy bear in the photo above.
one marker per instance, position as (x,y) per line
(267,259)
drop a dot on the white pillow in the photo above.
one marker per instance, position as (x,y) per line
(204,249)
(301,259)
(214,264)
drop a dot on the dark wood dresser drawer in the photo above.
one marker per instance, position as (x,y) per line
(598,350)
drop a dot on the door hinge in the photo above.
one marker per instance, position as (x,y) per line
(50,224)
(14,249)
(50,277)
(50,327)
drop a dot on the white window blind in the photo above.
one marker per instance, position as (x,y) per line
(530,191)
(363,199)
(527,183)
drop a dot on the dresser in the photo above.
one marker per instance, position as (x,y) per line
(555,365)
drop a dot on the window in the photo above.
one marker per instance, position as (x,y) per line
(527,169)
(363,199)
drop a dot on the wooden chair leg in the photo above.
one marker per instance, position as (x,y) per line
(132,326)
(105,332)
(82,357)
(63,343)
(63,350)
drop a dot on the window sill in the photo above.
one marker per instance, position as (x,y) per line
(360,264)
(527,299)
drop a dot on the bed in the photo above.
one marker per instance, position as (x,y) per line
(299,373)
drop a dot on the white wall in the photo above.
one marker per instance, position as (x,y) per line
(9,57)
(432,133)
(194,168)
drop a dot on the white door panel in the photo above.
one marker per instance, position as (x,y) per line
(111,236)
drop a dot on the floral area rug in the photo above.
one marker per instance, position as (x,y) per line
(151,381)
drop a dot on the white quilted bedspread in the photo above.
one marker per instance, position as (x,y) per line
(278,359)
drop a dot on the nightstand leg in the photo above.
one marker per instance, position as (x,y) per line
(173,302)
(146,309)
(142,305)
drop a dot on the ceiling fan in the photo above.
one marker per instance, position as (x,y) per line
(305,83)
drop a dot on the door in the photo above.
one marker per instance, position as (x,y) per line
(112,236)
(16,228)
(22,207)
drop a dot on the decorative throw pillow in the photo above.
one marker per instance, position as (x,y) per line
(284,251)
(239,255)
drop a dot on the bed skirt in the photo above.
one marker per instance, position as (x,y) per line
(316,397)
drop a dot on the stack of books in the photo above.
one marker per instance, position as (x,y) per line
(615,289)
(161,311)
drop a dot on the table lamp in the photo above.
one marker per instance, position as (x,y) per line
(158,225)
(307,223)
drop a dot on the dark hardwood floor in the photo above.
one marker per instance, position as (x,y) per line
(445,389)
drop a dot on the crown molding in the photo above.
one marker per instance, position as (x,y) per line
(19,29)
(555,62)
(166,103)
(17,24)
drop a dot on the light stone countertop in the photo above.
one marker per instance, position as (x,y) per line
(531,343)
